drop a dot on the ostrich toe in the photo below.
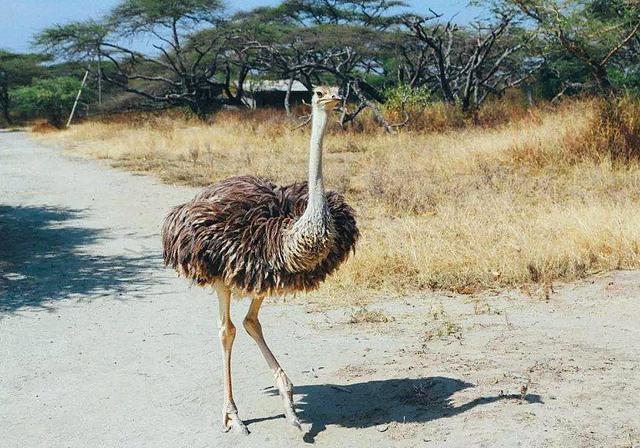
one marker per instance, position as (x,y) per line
(293,420)
(231,421)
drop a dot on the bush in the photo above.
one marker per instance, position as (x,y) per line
(619,127)
(49,98)
(507,108)
(614,131)
(430,114)
(404,97)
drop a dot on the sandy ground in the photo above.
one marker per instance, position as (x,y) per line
(101,347)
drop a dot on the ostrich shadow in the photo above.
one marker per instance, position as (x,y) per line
(380,402)
(46,255)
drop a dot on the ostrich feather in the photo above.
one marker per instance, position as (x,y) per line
(236,232)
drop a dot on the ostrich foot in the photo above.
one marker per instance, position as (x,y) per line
(230,420)
(286,392)
(291,415)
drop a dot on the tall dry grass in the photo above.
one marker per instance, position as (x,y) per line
(540,199)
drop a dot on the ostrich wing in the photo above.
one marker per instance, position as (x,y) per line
(232,231)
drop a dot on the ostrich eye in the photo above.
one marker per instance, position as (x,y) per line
(319,94)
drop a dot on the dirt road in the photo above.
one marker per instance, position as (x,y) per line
(102,347)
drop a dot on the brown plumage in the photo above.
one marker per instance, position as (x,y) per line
(233,232)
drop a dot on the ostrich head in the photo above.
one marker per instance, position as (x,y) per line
(325,98)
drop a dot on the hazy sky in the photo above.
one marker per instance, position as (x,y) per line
(20,19)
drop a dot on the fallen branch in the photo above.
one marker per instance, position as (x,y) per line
(303,124)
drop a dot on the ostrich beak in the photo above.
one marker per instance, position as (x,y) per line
(331,101)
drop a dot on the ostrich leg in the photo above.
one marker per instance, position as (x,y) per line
(253,327)
(227,335)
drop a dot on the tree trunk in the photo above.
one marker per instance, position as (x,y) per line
(374,108)
(200,107)
(602,79)
(529,93)
(5,111)
(4,101)
(287,97)
(465,104)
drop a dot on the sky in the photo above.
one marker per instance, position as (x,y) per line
(20,19)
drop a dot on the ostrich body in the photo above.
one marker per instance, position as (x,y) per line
(250,237)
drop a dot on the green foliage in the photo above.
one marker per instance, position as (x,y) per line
(135,16)
(74,40)
(203,56)
(50,98)
(376,14)
(17,70)
(626,80)
(21,69)
(404,97)
(594,32)
(560,69)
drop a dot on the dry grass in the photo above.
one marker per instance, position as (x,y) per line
(364,315)
(534,201)
(444,330)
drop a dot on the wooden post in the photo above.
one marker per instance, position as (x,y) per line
(75,103)
(99,80)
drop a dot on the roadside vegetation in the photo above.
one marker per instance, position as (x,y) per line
(496,153)
(552,194)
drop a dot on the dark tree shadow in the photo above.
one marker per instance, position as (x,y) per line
(372,403)
(43,258)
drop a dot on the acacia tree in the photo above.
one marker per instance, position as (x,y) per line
(182,72)
(374,14)
(170,22)
(273,42)
(268,39)
(332,40)
(203,60)
(243,36)
(595,32)
(466,65)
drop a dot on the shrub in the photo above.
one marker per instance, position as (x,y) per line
(404,97)
(48,98)
(618,127)
(614,131)
(511,106)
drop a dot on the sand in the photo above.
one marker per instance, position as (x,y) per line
(100,346)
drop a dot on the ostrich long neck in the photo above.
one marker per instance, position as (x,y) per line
(317,201)
(308,242)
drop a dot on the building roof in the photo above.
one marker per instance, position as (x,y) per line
(279,85)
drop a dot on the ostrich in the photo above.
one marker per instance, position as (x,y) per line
(250,237)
